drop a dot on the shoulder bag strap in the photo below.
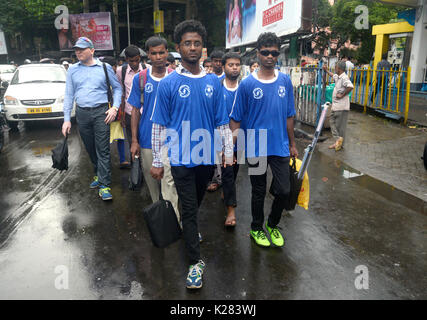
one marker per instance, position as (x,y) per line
(109,93)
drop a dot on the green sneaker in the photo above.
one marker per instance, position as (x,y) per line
(105,193)
(275,235)
(260,238)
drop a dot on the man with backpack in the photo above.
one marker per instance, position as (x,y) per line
(125,74)
(142,95)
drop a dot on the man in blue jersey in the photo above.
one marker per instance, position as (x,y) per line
(141,124)
(265,103)
(232,65)
(190,111)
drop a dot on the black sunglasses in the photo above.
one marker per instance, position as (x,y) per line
(266,53)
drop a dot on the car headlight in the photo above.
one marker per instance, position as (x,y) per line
(8,100)
(60,99)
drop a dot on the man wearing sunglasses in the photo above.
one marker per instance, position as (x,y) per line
(265,103)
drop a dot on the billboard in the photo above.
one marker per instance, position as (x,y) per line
(95,25)
(247,19)
(3,47)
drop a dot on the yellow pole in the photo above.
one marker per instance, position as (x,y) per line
(360,86)
(354,77)
(408,84)
(374,84)
(389,89)
(398,89)
(367,89)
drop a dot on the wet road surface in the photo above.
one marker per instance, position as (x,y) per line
(51,222)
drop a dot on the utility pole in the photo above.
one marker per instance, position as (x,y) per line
(116,25)
(85,6)
(127,5)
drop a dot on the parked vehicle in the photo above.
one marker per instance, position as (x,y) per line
(36,92)
(2,125)
(6,72)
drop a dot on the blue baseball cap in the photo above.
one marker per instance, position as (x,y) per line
(83,43)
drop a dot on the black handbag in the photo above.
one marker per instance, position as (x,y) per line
(295,187)
(135,177)
(162,223)
(60,155)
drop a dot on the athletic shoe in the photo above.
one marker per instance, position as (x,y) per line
(194,277)
(275,235)
(260,238)
(200,237)
(105,193)
(95,183)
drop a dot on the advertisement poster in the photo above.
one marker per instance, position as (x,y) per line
(95,25)
(3,48)
(247,19)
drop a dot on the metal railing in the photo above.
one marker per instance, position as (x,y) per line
(385,90)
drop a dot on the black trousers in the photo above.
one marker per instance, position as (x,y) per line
(95,134)
(279,189)
(191,185)
(128,130)
(229,175)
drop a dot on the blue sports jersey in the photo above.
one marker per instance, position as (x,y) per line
(264,107)
(134,99)
(191,108)
(229,97)
(221,77)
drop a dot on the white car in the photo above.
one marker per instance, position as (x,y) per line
(36,92)
(6,72)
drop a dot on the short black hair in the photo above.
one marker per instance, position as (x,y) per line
(217,54)
(384,56)
(207,60)
(189,26)
(171,58)
(268,39)
(110,60)
(155,41)
(132,51)
(251,62)
(231,55)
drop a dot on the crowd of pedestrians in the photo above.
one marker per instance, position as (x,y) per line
(186,124)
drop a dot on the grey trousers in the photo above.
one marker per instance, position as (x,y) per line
(95,134)
(338,122)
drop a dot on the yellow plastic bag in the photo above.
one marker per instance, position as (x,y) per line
(116,131)
(304,194)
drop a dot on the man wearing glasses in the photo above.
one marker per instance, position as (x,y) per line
(265,103)
(87,85)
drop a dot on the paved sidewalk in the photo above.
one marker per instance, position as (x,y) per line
(384,150)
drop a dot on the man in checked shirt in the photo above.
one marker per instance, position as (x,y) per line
(189,108)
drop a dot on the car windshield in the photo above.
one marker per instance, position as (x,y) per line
(39,74)
(7,68)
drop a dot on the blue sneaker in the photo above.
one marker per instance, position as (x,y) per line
(95,183)
(194,278)
(105,193)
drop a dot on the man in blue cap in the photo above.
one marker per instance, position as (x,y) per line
(87,86)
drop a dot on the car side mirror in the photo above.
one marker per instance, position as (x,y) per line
(5,84)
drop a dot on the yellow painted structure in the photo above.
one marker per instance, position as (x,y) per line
(382,33)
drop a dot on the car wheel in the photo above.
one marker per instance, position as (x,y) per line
(13,125)
(425,156)
(1,138)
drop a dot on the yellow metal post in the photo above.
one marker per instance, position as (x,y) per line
(360,86)
(408,84)
(374,91)
(367,89)
(382,89)
(389,88)
(398,89)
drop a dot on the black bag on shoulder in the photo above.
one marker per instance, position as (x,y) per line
(295,187)
(162,223)
(60,155)
(135,177)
